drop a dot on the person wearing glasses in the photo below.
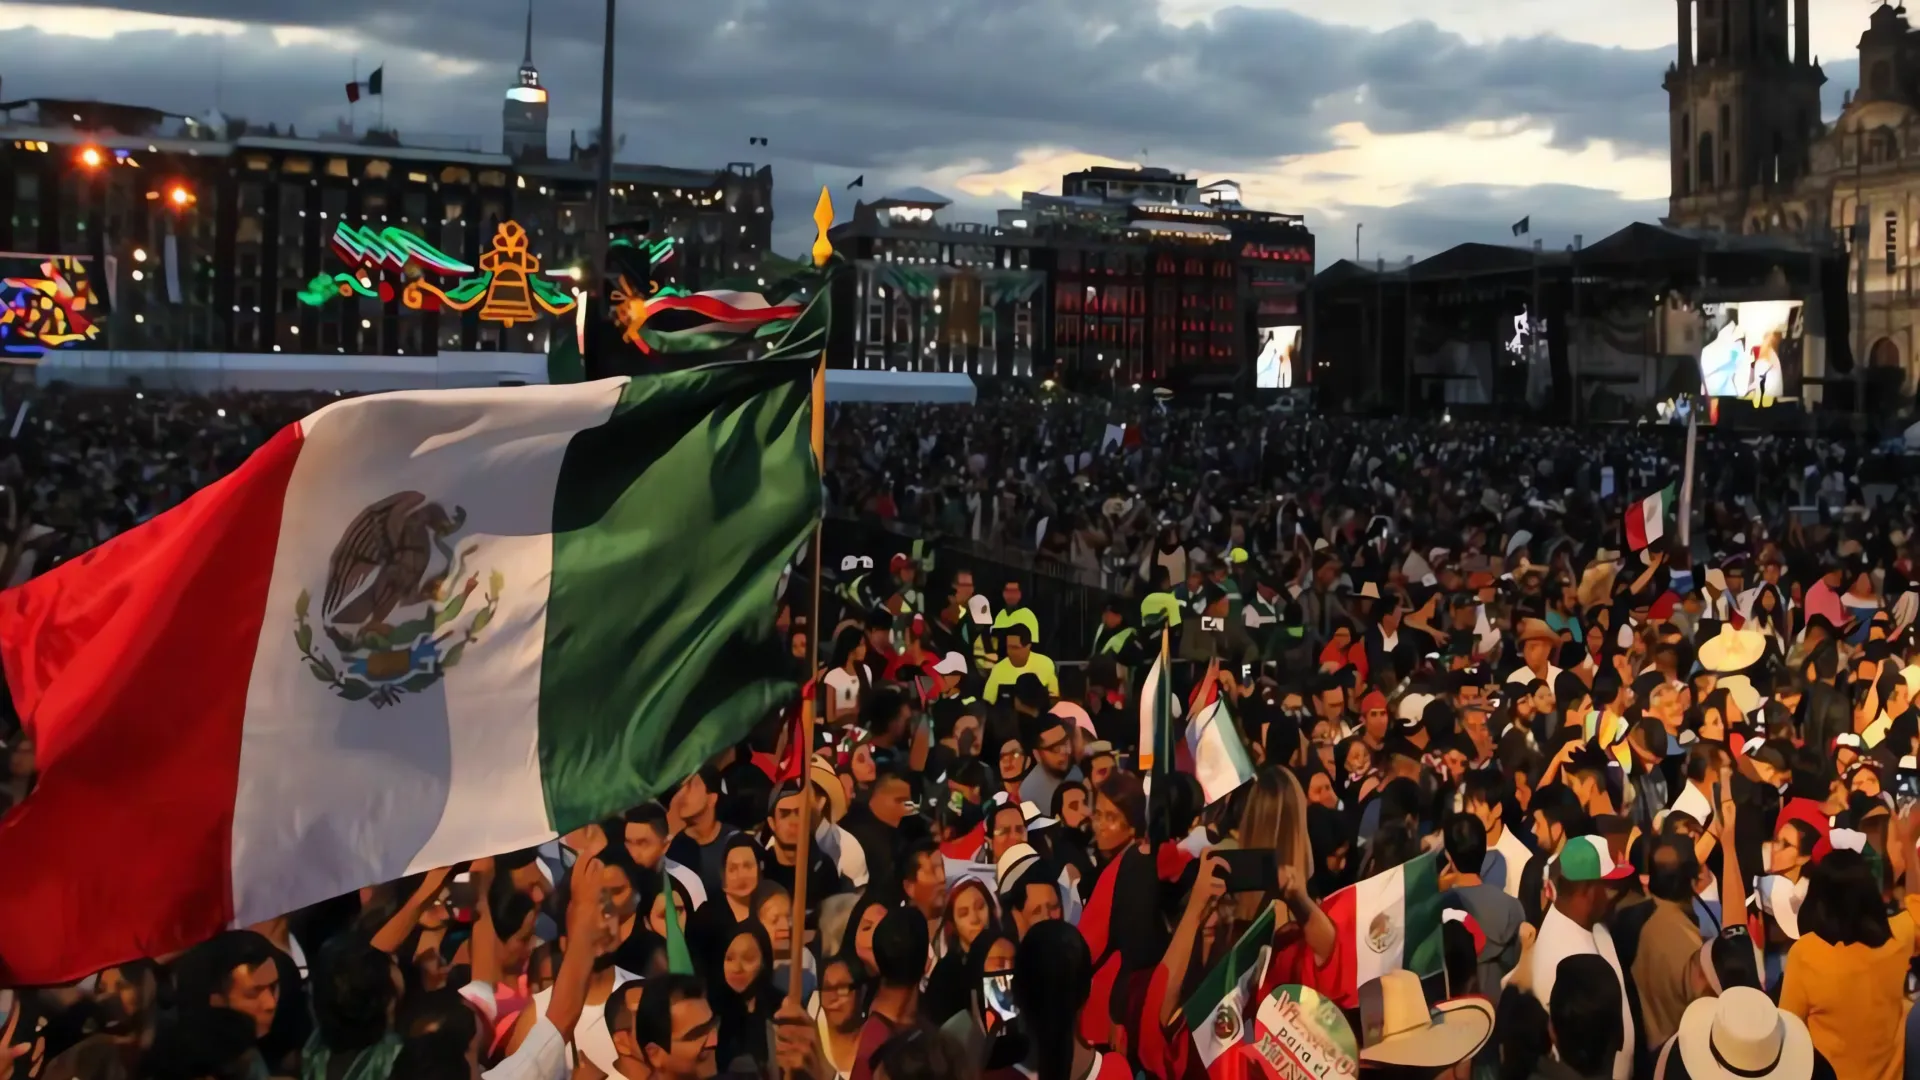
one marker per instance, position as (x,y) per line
(839,1015)
(1052,762)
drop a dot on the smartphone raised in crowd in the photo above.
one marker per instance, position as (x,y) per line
(1249,871)
(996,999)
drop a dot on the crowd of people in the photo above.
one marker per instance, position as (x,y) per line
(1667,796)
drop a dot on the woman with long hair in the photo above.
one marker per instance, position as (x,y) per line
(744,999)
(846,680)
(1274,817)
(1052,980)
(867,912)
(978,1023)
(969,911)
(1846,975)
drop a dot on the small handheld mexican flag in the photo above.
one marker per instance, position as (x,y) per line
(1220,759)
(1388,922)
(1217,1012)
(1647,519)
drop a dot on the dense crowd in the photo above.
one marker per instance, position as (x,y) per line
(1663,800)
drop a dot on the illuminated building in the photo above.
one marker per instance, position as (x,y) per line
(198,234)
(936,295)
(1129,275)
(1157,279)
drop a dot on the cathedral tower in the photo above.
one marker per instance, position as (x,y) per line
(1743,109)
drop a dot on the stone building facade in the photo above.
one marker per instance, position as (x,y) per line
(1751,154)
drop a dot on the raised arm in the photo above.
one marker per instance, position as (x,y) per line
(1208,887)
(394,933)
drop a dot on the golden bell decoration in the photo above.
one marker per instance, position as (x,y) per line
(509,297)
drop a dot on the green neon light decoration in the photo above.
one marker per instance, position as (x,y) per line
(393,249)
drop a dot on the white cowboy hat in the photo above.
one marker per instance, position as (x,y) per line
(1732,650)
(1741,1035)
(1397,1028)
(1745,697)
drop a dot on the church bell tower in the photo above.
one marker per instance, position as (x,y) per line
(1743,109)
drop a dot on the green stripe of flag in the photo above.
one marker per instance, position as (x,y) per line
(1421,885)
(672,523)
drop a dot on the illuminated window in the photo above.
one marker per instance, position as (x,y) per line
(258,162)
(454,174)
(337,167)
(378,169)
(492,178)
(296,166)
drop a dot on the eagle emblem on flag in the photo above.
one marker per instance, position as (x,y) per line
(1226,1022)
(401,605)
(1382,933)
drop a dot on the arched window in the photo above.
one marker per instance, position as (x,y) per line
(1880,79)
(1884,354)
(1705,158)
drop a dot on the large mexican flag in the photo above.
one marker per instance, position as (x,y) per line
(412,629)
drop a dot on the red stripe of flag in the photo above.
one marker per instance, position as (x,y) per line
(129,667)
(722,311)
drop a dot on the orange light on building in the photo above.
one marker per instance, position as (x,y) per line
(180,197)
(91,157)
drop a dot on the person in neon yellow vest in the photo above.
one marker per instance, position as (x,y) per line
(1021,659)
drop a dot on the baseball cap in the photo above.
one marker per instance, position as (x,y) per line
(951,664)
(1587,858)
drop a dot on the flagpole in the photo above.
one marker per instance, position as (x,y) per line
(803,855)
(1686,479)
(353,100)
(603,191)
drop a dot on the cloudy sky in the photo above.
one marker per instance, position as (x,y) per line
(1429,122)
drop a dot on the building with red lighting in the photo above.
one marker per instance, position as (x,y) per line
(1127,276)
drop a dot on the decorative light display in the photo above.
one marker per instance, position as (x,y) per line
(507,286)
(509,283)
(656,318)
(48,310)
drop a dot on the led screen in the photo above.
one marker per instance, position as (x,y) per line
(1279,363)
(1748,348)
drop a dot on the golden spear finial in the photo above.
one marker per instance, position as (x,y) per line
(823,220)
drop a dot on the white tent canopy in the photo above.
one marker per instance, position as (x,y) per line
(206,372)
(922,387)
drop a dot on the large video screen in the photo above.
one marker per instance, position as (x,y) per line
(1748,348)
(1280,365)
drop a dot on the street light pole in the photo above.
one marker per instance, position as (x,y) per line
(603,195)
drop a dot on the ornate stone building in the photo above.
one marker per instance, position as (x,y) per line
(1743,113)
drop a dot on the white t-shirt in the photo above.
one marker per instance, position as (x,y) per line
(845,687)
(1561,937)
(591,1036)
(1516,854)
